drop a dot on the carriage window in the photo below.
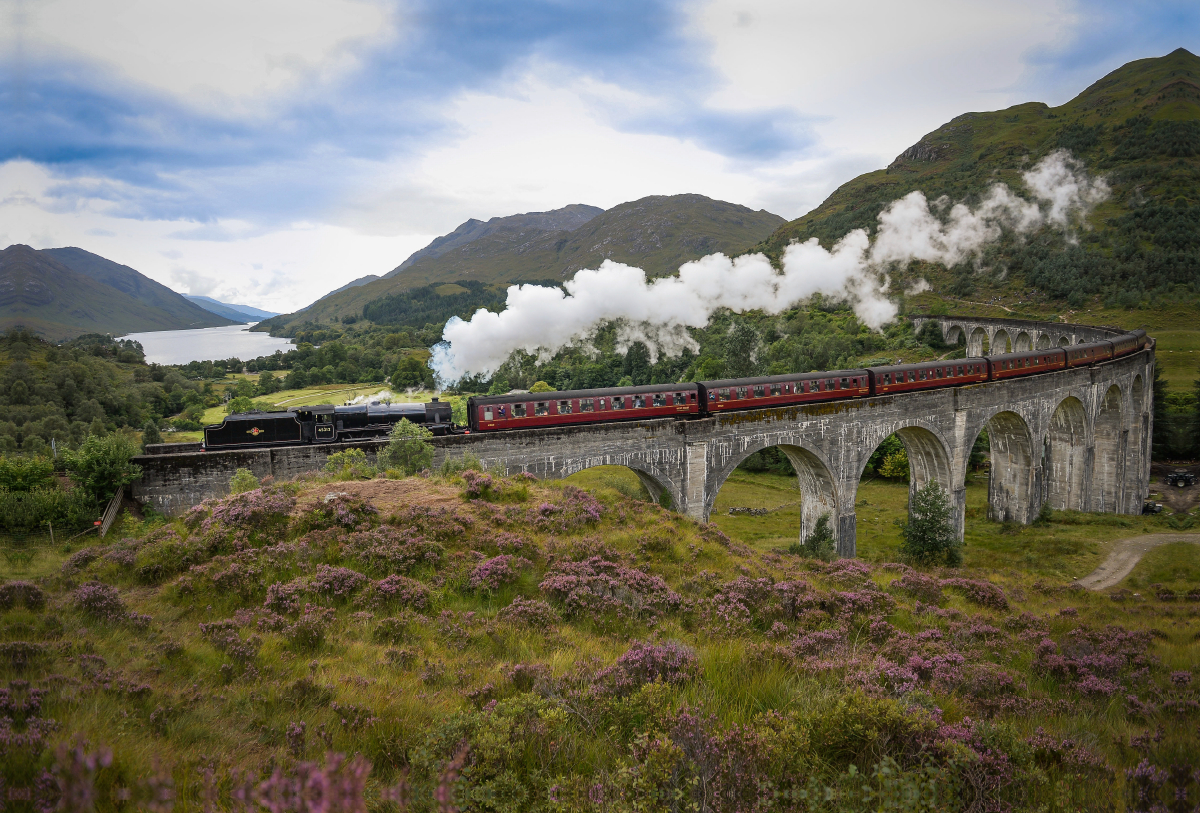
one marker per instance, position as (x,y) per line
(518,410)
(585,405)
(487,413)
(741,392)
(775,390)
(723,393)
(887,378)
(564,407)
(618,402)
(845,384)
(680,398)
(960,369)
(541,408)
(759,391)
(660,399)
(639,401)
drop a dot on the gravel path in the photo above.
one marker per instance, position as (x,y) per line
(1126,553)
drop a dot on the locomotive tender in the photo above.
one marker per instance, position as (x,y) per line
(495,413)
(323,423)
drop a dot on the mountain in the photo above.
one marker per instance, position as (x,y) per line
(354,283)
(1139,127)
(238,313)
(657,233)
(567,218)
(47,296)
(176,307)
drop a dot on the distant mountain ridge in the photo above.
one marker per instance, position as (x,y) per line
(657,233)
(66,292)
(242,313)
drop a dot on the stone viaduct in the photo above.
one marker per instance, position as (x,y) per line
(1078,439)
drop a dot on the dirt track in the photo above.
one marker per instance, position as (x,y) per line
(1126,553)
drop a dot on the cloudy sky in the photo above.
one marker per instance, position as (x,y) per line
(268,151)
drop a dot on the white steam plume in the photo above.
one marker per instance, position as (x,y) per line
(542,321)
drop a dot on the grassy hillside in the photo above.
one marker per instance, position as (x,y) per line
(506,645)
(1139,127)
(45,296)
(657,233)
(185,313)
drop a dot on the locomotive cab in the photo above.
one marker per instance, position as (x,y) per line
(317,423)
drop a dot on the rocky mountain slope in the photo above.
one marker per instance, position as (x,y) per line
(657,233)
(238,313)
(45,294)
(1139,126)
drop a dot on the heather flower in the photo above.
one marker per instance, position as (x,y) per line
(445,524)
(596,586)
(337,583)
(100,601)
(532,613)
(251,509)
(524,676)
(342,510)
(397,591)
(1181,678)
(308,631)
(645,663)
(920,586)
(21,592)
(285,597)
(496,572)
(82,558)
(388,550)
(983,593)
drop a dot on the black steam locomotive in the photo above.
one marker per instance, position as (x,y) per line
(323,423)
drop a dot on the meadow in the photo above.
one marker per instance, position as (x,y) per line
(482,643)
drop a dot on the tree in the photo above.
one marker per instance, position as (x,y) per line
(741,350)
(819,544)
(541,386)
(102,464)
(242,480)
(150,434)
(499,385)
(410,448)
(928,534)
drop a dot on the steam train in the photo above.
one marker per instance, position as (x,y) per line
(496,413)
(324,423)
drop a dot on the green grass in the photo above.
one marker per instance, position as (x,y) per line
(1175,565)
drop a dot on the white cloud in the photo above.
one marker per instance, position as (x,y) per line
(207,53)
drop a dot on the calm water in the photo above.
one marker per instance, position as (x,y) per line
(208,344)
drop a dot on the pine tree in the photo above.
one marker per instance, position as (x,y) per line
(928,534)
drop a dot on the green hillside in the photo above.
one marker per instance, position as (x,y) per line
(657,233)
(1139,127)
(44,295)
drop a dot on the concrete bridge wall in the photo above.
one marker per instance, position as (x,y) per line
(1079,439)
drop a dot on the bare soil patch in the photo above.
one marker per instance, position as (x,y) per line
(388,496)
(1125,555)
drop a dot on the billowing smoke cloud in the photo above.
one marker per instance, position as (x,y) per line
(542,321)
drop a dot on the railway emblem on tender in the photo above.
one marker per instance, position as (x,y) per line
(254,431)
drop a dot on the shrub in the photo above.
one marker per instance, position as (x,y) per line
(243,480)
(387,550)
(399,591)
(100,601)
(101,465)
(532,613)
(308,631)
(150,434)
(337,583)
(928,534)
(349,465)
(644,663)
(21,592)
(819,544)
(342,510)
(496,572)
(920,586)
(595,587)
(409,448)
(983,593)
(26,473)
(541,386)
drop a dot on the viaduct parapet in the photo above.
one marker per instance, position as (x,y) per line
(1076,439)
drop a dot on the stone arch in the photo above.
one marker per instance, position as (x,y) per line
(977,343)
(1064,341)
(1043,342)
(1107,469)
(928,460)
(954,334)
(818,491)
(1001,343)
(1012,481)
(1022,342)
(1065,456)
(655,482)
